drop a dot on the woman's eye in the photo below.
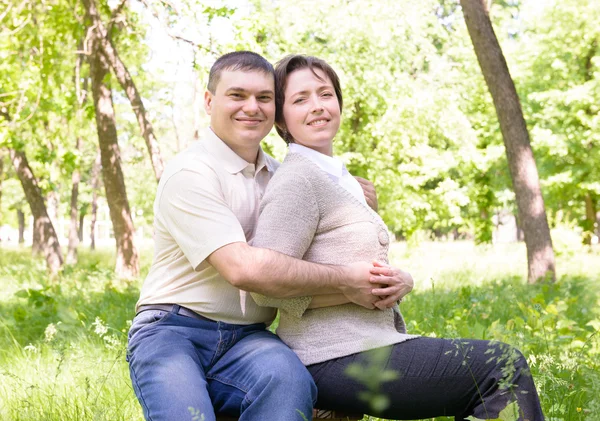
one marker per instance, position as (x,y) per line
(298,100)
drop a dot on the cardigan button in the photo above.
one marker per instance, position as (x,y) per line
(384,239)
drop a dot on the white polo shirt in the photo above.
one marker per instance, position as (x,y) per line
(208,197)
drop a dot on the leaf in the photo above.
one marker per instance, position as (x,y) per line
(510,413)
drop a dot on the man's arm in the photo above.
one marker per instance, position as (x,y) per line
(275,274)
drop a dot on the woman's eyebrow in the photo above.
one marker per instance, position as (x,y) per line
(306,91)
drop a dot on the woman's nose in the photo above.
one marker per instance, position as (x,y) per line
(317,106)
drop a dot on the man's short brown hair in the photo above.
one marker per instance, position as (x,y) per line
(289,64)
(246,61)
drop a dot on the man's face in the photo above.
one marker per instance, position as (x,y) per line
(242,108)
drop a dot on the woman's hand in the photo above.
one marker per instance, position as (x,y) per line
(369,192)
(393,284)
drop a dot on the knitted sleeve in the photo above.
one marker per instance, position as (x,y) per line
(289,215)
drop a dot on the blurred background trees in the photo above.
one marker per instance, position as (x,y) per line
(419,120)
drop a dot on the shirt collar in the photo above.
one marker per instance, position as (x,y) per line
(329,164)
(231,161)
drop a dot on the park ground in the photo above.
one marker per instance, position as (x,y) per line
(63,341)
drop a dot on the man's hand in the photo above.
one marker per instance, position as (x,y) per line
(369,192)
(395,283)
(359,286)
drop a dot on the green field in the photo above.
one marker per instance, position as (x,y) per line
(62,342)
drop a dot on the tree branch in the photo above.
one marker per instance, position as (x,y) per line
(126,82)
(115,17)
(166,27)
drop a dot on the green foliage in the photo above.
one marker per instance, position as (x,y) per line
(418,119)
(510,413)
(372,374)
(63,342)
(560,88)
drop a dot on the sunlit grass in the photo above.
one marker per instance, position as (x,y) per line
(62,342)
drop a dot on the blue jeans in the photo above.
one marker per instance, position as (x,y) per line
(188,369)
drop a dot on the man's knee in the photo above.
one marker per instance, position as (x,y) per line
(286,373)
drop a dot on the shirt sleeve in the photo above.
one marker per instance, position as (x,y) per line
(289,216)
(193,209)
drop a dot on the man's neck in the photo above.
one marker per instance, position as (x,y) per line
(248,154)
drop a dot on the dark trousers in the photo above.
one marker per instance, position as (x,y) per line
(434,377)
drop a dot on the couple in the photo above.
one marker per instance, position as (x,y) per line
(199,345)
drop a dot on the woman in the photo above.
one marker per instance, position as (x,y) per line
(313,209)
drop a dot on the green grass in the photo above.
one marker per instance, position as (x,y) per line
(62,342)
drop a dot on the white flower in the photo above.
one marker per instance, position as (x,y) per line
(50,332)
(99,327)
(31,348)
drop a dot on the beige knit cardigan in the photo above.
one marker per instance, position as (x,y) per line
(305,214)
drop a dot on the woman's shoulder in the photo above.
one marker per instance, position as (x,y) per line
(297,165)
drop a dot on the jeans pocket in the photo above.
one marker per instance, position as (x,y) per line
(144,320)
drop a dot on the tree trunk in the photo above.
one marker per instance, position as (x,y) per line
(21,219)
(74,213)
(74,230)
(95,182)
(590,219)
(42,224)
(82,213)
(522,166)
(37,248)
(126,82)
(127,264)
(53,208)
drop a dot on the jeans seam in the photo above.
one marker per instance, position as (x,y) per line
(143,401)
(218,347)
(228,382)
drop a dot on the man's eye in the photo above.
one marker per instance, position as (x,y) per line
(265,98)
(234,95)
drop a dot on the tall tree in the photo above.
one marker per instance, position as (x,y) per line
(521,162)
(126,81)
(21,222)
(43,227)
(81,95)
(127,264)
(74,212)
(95,186)
(590,219)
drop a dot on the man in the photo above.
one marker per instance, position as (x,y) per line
(198,345)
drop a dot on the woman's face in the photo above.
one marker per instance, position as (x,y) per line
(311,110)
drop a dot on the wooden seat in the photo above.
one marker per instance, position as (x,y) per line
(318,414)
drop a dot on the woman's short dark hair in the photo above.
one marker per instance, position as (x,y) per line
(238,60)
(283,69)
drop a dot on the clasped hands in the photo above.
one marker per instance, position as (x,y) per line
(377,285)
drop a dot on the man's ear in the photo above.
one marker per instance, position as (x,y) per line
(208,98)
